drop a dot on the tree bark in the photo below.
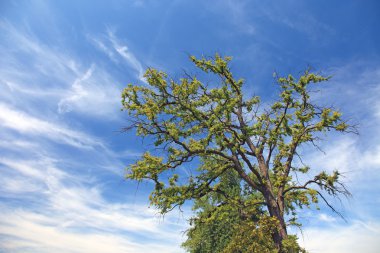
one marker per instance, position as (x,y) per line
(275,207)
(275,211)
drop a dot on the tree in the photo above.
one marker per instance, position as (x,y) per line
(222,224)
(216,130)
(217,217)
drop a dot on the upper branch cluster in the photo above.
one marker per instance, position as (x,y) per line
(190,120)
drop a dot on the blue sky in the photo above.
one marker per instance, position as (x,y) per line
(63,65)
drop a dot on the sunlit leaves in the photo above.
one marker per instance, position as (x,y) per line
(216,130)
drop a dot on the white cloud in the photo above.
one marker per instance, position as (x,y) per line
(371,158)
(92,93)
(129,154)
(43,60)
(26,124)
(25,169)
(120,49)
(77,90)
(340,154)
(357,237)
(52,76)
(350,153)
(326,218)
(35,233)
(68,214)
(60,206)
(124,52)
(100,45)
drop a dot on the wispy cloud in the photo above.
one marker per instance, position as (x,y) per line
(57,78)
(358,103)
(72,214)
(359,236)
(52,197)
(39,233)
(27,124)
(98,43)
(123,51)
(115,49)
(326,218)
(77,90)
(61,181)
(93,93)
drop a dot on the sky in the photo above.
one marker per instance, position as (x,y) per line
(63,65)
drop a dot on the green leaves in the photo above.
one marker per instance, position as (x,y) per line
(147,168)
(218,132)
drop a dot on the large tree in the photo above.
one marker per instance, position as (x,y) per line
(214,129)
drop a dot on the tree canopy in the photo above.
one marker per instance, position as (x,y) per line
(218,132)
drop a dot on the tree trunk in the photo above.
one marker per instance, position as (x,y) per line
(274,210)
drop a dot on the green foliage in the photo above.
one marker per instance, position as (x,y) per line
(225,225)
(217,131)
(218,214)
(254,236)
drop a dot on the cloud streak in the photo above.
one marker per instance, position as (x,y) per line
(93,93)
(357,237)
(58,79)
(29,231)
(71,211)
(27,124)
(53,198)
(115,49)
